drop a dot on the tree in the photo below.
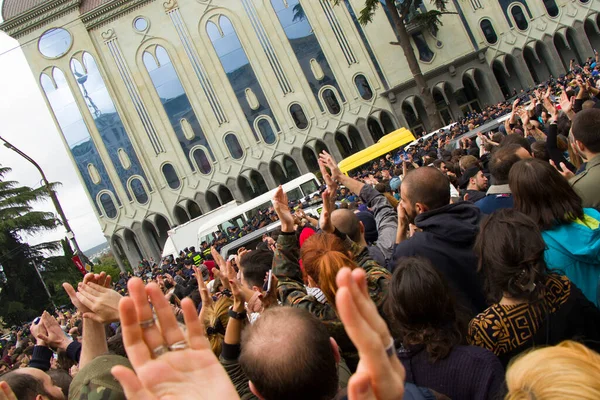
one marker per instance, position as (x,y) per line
(408,12)
(108,264)
(22,295)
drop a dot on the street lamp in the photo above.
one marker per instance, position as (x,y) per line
(53,196)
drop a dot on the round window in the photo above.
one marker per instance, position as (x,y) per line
(55,43)
(140,24)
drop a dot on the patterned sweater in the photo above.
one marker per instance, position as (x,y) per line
(562,313)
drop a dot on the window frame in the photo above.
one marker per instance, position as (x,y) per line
(101,205)
(516,24)
(243,152)
(303,111)
(483,31)
(132,192)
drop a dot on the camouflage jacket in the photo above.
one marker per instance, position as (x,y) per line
(292,292)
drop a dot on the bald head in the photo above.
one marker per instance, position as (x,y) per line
(29,383)
(281,335)
(427,186)
(348,223)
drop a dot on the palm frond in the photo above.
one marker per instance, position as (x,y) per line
(440,4)
(367,13)
(431,19)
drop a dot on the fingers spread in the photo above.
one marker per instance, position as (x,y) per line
(137,293)
(195,328)
(137,350)
(168,323)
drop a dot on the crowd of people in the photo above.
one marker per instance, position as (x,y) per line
(434,273)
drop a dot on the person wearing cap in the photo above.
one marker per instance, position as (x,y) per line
(476,184)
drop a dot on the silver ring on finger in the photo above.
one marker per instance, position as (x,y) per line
(181,345)
(160,350)
(147,323)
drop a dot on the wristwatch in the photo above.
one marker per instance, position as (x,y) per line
(237,315)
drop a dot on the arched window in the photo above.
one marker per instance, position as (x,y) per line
(266,131)
(519,17)
(76,133)
(233,145)
(374,129)
(174,99)
(551,7)
(387,123)
(108,205)
(488,31)
(202,161)
(364,89)
(238,69)
(171,176)
(106,118)
(425,53)
(139,191)
(299,117)
(331,102)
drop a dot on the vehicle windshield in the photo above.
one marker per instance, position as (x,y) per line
(294,194)
(309,187)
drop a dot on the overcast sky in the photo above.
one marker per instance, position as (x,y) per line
(26,123)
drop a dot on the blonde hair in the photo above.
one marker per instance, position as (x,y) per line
(217,313)
(566,371)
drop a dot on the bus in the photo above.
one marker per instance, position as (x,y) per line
(183,235)
(304,189)
(386,144)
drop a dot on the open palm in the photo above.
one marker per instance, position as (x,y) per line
(176,374)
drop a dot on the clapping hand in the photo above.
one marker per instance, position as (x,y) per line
(280,203)
(328,208)
(167,363)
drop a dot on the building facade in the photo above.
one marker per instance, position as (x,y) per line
(172,108)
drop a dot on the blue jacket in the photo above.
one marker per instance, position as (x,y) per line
(575,249)
(497,197)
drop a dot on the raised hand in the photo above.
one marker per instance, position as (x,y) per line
(102,302)
(280,204)
(73,294)
(379,374)
(328,207)
(563,170)
(167,363)
(330,163)
(239,300)
(566,104)
(52,334)
(207,299)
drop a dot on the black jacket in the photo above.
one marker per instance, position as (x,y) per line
(447,241)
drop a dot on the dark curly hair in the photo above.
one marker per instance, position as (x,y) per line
(422,309)
(510,248)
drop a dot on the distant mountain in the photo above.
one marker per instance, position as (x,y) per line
(96,249)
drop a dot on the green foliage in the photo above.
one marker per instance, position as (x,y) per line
(22,296)
(408,9)
(108,264)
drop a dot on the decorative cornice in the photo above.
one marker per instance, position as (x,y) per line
(108,12)
(38,16)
